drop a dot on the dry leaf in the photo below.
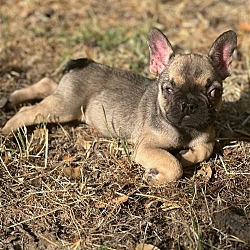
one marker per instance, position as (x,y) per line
(7,157)
(141,246)
(169,205)
(40,133)
(20,180)
(245,26)
(76,242)
(205,172)
(84,143)
(87,145)
(117,200)
(36,182)
(120,199)
(100,204)
(71,172)
(68,159)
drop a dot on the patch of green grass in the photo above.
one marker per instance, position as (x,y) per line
(197,233)
(106,39)
(116,43)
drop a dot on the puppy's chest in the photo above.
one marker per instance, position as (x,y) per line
(176,139)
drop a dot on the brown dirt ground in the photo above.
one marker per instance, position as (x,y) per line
(66,188)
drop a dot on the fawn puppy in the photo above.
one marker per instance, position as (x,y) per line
(169,118)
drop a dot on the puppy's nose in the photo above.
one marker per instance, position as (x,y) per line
(188,108)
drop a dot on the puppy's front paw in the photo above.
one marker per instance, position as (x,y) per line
(195,154)
(154,177)
(161,166)
(151,174)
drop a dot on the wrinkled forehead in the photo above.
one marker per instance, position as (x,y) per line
(191,68)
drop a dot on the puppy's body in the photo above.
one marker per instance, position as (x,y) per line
(114,97)
(176,111)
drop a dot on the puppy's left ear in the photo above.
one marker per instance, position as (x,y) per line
(221,52)
(160,50)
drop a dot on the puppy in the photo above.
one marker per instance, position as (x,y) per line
(173,113)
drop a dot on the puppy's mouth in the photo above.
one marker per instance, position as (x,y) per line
(200,119)
(190,121)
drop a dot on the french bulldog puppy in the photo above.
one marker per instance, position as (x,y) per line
(174,112)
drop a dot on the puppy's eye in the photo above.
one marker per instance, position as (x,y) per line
(169,90)
(215,93)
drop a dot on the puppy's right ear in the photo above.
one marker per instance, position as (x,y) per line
(221,52)
(160,50)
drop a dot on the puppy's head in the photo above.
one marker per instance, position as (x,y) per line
(190,86)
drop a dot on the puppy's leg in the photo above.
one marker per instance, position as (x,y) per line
(39,90)
(161,166)
(196,154)
(54,108)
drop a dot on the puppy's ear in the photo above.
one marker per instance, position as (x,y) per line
(221,52)
(160,50)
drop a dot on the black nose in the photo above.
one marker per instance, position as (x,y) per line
(188,108)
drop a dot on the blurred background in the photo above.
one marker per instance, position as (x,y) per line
(38,36)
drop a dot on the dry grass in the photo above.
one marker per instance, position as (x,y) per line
(63,187)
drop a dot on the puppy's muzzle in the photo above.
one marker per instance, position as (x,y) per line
(188,107)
